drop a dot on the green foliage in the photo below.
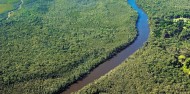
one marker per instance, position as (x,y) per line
(49,44)
(154,68)
(186,66)
(7,5)
(9,1)
(181,58)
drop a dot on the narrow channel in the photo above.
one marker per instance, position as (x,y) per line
(143,31)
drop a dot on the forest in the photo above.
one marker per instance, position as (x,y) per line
(162,66)
(48,44)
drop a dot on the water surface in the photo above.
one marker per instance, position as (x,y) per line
(143,30)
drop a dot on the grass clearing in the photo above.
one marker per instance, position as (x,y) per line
(5,7)
(8,1)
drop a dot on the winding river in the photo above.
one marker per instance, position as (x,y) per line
(143,30)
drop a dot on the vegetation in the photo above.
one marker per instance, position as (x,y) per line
(156,67)
(49,44)
(7,5)
(185,62)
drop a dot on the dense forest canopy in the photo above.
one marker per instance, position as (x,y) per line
(48,44)
(162,65)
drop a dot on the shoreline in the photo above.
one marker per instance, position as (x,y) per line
(141,18)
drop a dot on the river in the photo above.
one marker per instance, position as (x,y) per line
(143,31)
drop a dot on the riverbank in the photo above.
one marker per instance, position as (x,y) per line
(155,67)
(40,55)
(143,32)
(112,60)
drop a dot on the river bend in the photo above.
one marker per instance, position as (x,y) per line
(143,31)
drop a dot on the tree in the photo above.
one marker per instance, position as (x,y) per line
(187,62)
(181,59)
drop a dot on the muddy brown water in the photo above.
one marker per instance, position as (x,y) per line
(143,31)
